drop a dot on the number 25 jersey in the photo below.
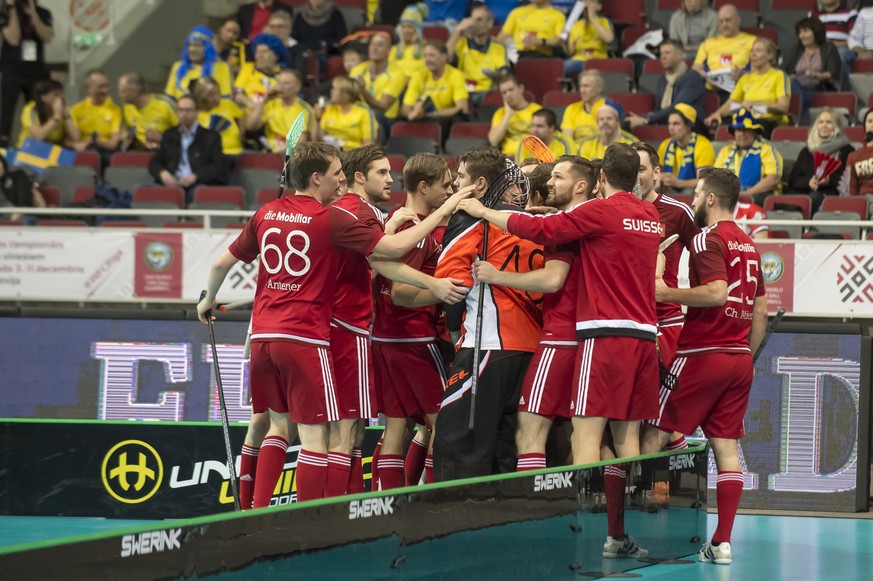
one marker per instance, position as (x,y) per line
(723,252)
(300,243)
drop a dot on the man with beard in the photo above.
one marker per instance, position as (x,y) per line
(725,323)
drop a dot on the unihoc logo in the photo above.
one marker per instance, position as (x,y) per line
(681,462)
(132,471)
(552,481)
(368,507)
(150,542)
(159,255)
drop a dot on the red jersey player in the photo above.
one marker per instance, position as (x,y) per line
(616,371)
(299,241)
(368,173)
(726,320)
(750,211)
(409,371)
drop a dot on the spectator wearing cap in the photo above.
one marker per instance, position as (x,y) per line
(685,153)
(318,28)
(692,24)
(679,84)
(752,158)
(199,59)
(257,78)
(765,90)
(408,54)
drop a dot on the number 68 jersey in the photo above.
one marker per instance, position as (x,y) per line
(300,243)
(723,252)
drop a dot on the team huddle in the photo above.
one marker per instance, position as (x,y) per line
(489,315)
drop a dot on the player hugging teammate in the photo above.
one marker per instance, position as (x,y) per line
(555,317)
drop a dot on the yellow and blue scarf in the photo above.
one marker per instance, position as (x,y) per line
(750,166)
(688,170)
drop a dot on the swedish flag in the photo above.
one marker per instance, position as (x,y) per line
(40,155)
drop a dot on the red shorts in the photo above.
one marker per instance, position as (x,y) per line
(294,378)
(547,388)
(616,378)
(713,393)
(668,341)
(410,378)
(353,369)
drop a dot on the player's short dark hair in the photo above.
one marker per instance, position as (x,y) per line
(361,159)
(654,158)
(481,6)
(582,170)
(674,43)
(423,167)
(437,44)
(135,80)
(308,158)
(621,166)
(723,183)
(529,161)
(484,162)
(548,115)
(539,178)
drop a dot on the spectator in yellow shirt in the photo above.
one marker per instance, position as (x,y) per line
(199,59)
(408,53)
(381,85)
(439,92)
(46,118)
(345,122)
(765,91)
(228,45)
(580,118)
(752,158)
(544,124)
(278,111)
(221,115)
(685,153)
(588,39)
(98,117)
(481,59)
(255,78)
(510,124)
(728,52)
(609,127)
(146,115)
(536,29)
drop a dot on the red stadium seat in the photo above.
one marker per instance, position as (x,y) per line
(335,66)
(131,159)
(625,66)
(862,66)
(855,204)
(260,161)
(269,195)
(801,201)
(51,195)
(397,162)
(639,103)
(668,4)
(652,132)
(540,75)
(123,224)
(435,32)
(495,99)
(631,12)
(794,108)
(790,134)
(652,66)
(88,158)
(793,4)
(560,99)
(710,102)
(159,194)
(81,195)
(416,129)
(470,130)
(768,33)
(856,134)
(219,195)
(631,34)
(846,101)
(387,28)
(178,224)
(452,161)
(740,4)
(61,223)
(723,134)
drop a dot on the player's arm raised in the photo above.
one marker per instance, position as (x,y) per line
(397,245)
(415,283)
(559,228)
(548,279)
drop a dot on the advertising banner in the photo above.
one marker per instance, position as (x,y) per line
(158,265)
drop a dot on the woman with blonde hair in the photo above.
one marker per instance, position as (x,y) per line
(218,114)
(345,122)
(825,136)
(765,90)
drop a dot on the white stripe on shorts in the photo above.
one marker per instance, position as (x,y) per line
(438,363)
(329,392)
(539,382)
(584,377)
(675,369)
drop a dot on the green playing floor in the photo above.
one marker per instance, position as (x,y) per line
(764,548)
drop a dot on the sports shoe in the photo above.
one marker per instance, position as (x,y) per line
(721,555)
(619,548)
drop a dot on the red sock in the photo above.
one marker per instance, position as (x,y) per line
(356,475)
(728,489)
(533,461)
(374,469)
(248,463)
(339,466)
(677,444)
(390,471)
(311,474)
(271,460)
(614,483)
(428,469)
(415,462)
